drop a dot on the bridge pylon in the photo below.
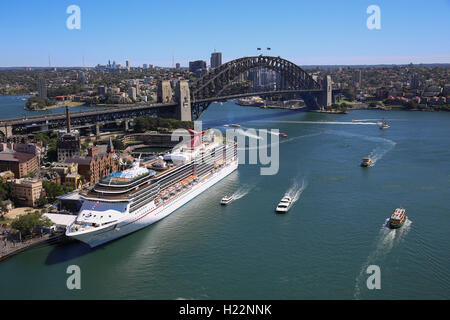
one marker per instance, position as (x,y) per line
(164,94)
(183,98)
(327,85)
(6,132)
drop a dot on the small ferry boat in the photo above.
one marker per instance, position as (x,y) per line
(284,135)
(235,125)
(366,162)
(284,205)
(383,125)
(398,218)
(226,200)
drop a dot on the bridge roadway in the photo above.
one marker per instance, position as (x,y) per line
(250,94)
(42,119)
(116,113)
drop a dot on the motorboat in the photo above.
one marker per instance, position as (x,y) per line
(383,125)
(226,200)
(284,205)
(366,162)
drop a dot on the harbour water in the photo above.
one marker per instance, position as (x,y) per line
(319,250)
(13,107)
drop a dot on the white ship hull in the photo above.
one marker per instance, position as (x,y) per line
(150,213)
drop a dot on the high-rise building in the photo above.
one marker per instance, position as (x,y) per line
(127,64)
(357,78)
(415,83)
(132,93)
(177,65)
(216,59)
(145,66)
(42,88)
(197,65)
(101,91)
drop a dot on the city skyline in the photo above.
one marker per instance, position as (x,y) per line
(325,33)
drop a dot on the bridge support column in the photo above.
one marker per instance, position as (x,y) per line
(6,131)
(164,92)
(126,124)
(183,97)
(327,93)
(97,130)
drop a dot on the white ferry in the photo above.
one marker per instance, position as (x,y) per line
(127,201)
(284,205)
(226,200)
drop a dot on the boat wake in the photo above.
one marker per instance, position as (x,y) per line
(326,122)
(281,141)
(386,240)
(296,190)
(248,134)
(241,192)
(380,151)
(383,147)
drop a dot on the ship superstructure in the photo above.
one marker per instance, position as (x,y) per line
(132,199)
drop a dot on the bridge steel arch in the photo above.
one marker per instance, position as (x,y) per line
(212,84)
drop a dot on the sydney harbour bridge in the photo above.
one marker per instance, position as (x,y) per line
(191,99)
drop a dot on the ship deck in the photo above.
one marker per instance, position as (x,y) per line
(123,196)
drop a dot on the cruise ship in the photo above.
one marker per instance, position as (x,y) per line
(130,200)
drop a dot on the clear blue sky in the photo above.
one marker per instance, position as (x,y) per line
(149,31)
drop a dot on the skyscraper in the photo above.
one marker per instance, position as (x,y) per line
(216,59)
(197,65)
(127,64)
(132,93)
(42,88)
(357,78)
(415,83)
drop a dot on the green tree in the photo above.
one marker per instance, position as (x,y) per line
(42,201)
(5,191)
(29,222)
(53,190)
(118,144)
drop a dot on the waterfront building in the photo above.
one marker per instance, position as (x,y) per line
(99,162)
(74,180)
(68,145)
(26,191)
(42,88)
(216,59)
(64,169)
(20,163)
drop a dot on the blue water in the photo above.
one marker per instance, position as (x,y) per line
(13,107)
(319,250)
